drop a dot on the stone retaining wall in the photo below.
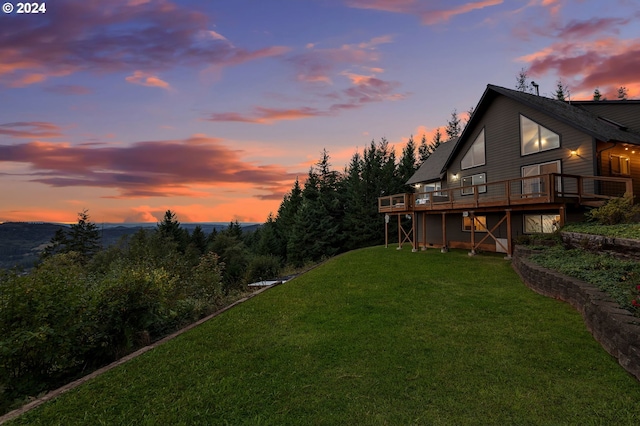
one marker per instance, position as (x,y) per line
(621,247)
(616,329)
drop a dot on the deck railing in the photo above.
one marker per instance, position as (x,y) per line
(541,189)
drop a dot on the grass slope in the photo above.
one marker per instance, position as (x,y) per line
(376,336)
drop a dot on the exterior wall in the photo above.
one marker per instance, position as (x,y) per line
(605,150)
(458,238)
(623,112)
(502,145)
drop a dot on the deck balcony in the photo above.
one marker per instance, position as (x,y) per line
(550,189)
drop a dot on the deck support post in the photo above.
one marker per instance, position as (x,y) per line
(386,230)
(424,231)
(399,233)
(444,248)
(473,234)
(414,229)
(509,244)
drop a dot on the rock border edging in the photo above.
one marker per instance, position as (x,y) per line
(616,329)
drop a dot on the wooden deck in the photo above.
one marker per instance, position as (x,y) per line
(551,189)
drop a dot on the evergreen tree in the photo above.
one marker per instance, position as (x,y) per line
(561,91)
(522,81)
(622,93)
(424,151)
(57,244)
(453,126)
(408,161)
(199,239)
(84,237)
(437,140)
(597,96)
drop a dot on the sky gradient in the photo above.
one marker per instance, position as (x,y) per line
(128,108)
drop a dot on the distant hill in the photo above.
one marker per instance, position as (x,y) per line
(22,242)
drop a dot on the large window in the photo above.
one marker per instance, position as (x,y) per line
(541,223)
(620,165)
(422,197)
(475,155)
(535,186)
(479,224)
(469,181)
(536,138)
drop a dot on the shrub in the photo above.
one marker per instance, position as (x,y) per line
(262,267)
(615,211)
(42,316)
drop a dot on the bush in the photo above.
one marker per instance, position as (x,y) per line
(262,267)
(615,211)
(43,323)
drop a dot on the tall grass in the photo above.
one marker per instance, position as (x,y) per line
(373,337)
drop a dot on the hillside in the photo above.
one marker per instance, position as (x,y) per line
(376,336)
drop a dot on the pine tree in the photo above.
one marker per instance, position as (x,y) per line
(84,237)
(522,83)
(622,93)
(424,151)
(171,231)
(408,161)
(597,96)
(453,126)
(561,91)
(199,239)
(437,140)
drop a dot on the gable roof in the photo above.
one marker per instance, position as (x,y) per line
(434,167)
(570,113)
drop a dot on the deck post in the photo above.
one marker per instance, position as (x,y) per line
(444,248)
(509,244)
(386,230)
(399,233)
(473,234)
(424,231)
(414,228)
(563,217)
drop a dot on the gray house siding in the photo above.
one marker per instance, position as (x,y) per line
(502,145)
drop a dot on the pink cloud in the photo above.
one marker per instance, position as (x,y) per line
(30,130)
(605,63)
(145,79)
(151,35)
(363,90)
(319,64)
(145,169)
(428,15)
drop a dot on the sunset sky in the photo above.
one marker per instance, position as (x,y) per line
(128,108)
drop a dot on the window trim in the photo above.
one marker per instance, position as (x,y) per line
(481,218)
(482,187)
(620,157)
(522,153)
(540,215)
(469,151)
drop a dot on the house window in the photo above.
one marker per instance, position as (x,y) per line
(541,223)
(469,181)
(535,186)
(475,155)
(479,225)
(536,138)
(424,192)
(620,165)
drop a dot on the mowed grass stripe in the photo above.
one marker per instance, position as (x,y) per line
(376,336)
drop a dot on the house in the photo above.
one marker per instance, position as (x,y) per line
(523,164)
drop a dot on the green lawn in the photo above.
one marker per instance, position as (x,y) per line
(373,337)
